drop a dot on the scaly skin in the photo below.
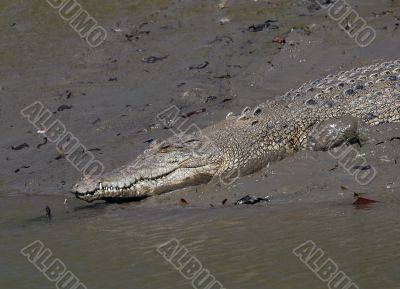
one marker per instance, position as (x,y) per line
(248,142)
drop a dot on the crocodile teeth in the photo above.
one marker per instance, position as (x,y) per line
(245,111)
(229,115)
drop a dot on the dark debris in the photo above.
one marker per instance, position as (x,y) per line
(64,107)
(248,200)
(153,59)
(20,147)
(262,26)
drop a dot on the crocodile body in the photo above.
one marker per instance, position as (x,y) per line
(247,142)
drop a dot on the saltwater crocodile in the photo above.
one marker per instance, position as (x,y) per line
(245,143)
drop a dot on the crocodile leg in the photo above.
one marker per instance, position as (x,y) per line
(333,132)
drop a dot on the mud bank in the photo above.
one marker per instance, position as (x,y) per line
(197,56)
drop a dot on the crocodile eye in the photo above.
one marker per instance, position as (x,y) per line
(165,148)
(170,148)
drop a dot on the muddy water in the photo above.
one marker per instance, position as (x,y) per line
(114,246)
(114,96)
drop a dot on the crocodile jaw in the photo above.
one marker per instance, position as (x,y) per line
(112,188)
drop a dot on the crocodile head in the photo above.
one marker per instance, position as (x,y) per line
(180,161)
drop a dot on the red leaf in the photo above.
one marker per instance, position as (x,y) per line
(361,202)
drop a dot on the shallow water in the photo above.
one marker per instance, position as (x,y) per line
(115,245)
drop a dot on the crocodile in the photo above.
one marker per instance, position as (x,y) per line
(319,115)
